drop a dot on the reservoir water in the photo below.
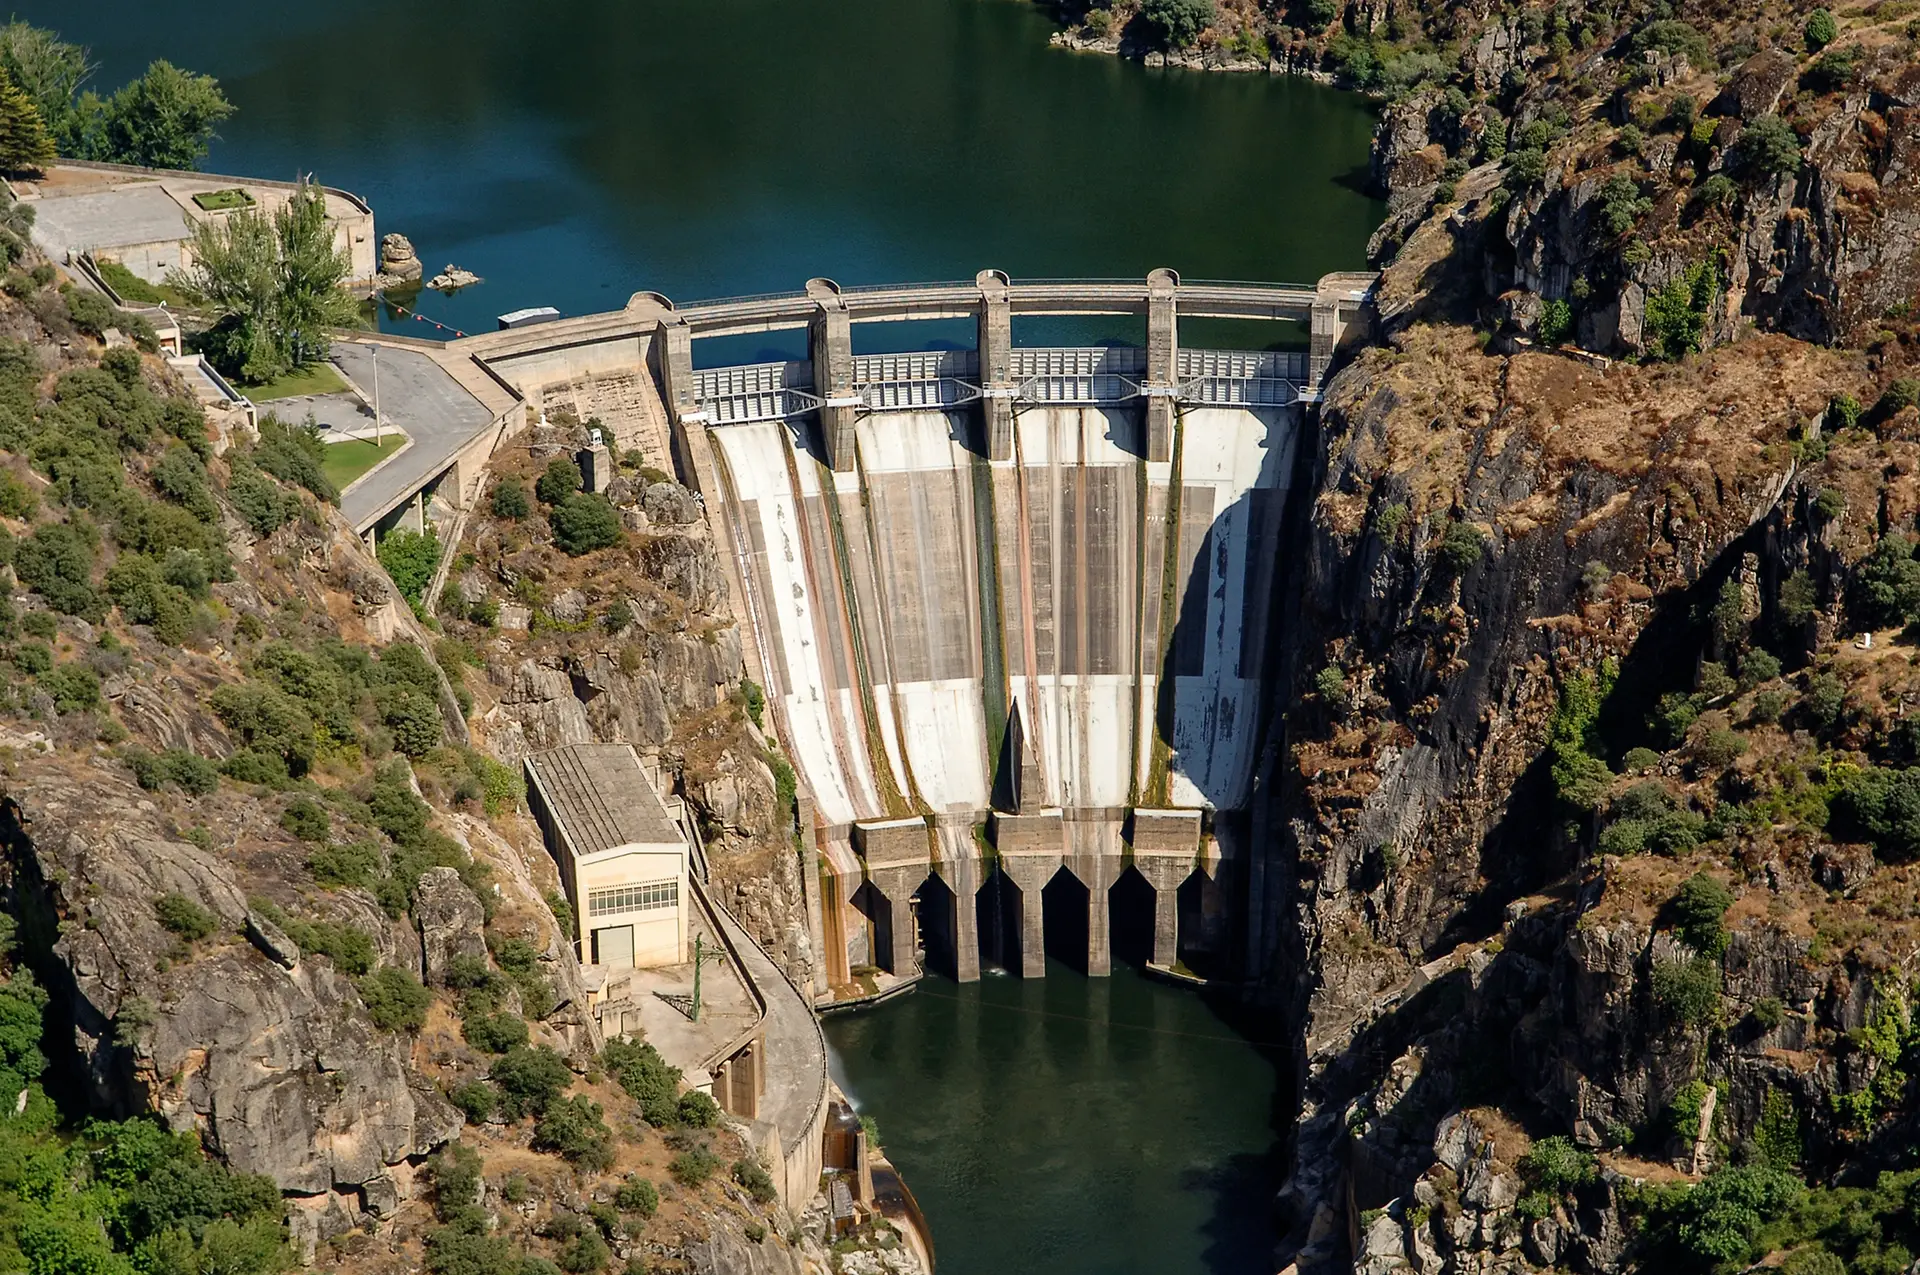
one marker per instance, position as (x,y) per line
(574,151)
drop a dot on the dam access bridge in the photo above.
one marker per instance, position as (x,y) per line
(1009,604)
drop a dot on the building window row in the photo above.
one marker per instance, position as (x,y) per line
(648,897)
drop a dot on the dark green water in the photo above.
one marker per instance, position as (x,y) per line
(1071,1125)
(574,151)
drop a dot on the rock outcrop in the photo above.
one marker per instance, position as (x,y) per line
(450,921)
(275,1065)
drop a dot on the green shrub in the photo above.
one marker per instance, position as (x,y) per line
(349,948)
(754,699)
(1555,1165)
(573,1128)
(753,1176)
(56,562)
(1687,991)
(1639,759)
(697,1110)
(192,774)
(1757,666)
(1556,322)
(1825,700)
(294,454)
(1832,71)
(1699,911)
(410,558)
(495,1033)
(1768,707)
(1717,1220)
(74,688)
(647,1078)
(476,1101)
(510,499)
(691,1168)
(1718,191)
(584,1254)
(1766,149)
(560,479)
(395,999)
(306,819)
(454,1174)
(413,718)
(1777,1137)
(637,1195)
(1716,749)
(1676,314)
(355,863)
(1175,24)
(185,918)
(1461,548)
(583,523)
(528,1079)
(1821,30)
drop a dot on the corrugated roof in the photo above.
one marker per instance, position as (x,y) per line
(602,798)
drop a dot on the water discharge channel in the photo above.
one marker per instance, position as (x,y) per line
(1068,1123)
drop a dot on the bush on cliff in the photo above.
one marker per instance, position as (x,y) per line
(583,523)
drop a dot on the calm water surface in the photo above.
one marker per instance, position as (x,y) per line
(1071,1126)
(574,151)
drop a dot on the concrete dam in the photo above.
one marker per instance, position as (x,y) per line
(1009,604)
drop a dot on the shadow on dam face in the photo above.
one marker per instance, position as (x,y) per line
(1024,696)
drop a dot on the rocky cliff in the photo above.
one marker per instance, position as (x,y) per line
(1594,924)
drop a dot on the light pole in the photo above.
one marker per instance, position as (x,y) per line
(378,437)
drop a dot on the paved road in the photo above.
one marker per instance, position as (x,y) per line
(427,404)
(796,1050)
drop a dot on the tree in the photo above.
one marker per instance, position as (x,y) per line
(410,558)
(1556,322)
(1821,30)
(48,70)
(25,144)
(560,479)
(164,119)
(1677,313)
(1175,24)
(509,499)
(583,523)
(273,283)
(1766,148)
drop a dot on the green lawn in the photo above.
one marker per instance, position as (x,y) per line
(315,378)
(347,461)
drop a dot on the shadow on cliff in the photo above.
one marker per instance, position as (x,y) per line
(1537,840)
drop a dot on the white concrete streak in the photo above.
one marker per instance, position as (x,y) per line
(941,724)
(1080,721)
(818,720)
(1232,451)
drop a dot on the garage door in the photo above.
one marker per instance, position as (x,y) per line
(613,947)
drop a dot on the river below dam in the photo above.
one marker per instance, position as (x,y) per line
(572,153)
(1071,1125)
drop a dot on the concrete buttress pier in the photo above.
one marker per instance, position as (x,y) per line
(1010,605)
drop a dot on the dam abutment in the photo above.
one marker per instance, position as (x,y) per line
(1009,605)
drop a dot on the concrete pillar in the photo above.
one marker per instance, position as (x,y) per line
(596,467)
(896,887)
(1163,352)
(1099,872)
(1031,875)
(962,876)
(830,345)
(995,343)
(674,340)
(1166,921)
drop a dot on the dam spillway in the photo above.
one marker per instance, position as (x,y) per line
(1009,605)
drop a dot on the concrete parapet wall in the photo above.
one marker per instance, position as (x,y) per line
(1166,832)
